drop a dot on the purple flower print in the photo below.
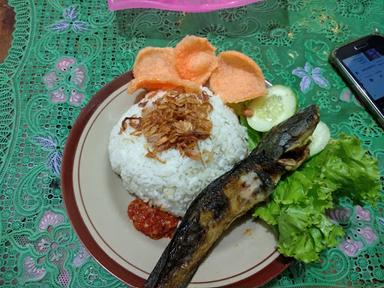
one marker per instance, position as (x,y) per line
(351,247)
(365,234)
(58,96)
(79,26)
(64,278)
(339,215)
(70,13)
(55,155)
(346,95)
(66,82)
(54,162)
(80,257)
(368,234)
(47,143)
(70,21)
(65,63)
(61,25)
(31,272)
(50,79)
(76,98)
(362,214)
(48,247)
(309,76)
(78,76)
(50,219)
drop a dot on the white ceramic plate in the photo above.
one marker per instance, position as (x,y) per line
(97,206)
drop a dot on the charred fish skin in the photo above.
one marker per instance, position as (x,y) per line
(230,196)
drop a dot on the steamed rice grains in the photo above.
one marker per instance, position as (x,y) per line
(174,184)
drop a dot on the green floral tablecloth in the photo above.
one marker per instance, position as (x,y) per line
(64,51)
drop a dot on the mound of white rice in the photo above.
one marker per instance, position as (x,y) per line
(173,185)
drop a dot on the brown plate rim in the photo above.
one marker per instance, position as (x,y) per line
(261,277)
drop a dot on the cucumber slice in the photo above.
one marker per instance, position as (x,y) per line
(278,105)
(319,139)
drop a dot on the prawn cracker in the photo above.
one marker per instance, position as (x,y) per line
(237,78)
(155,62)
(154,83)
(195,59)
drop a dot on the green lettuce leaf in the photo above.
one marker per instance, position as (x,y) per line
(253,136)
(297,206)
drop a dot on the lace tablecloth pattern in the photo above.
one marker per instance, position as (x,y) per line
(63,52)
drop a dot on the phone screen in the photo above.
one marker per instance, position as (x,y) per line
(367,67)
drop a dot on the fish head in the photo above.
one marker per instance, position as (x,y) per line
(287,143)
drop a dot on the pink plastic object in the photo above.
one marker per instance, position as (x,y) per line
(179,5)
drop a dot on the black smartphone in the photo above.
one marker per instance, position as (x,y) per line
(361,64)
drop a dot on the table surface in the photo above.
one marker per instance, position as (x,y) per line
(7,19)
(64,51)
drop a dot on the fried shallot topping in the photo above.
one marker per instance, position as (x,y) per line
(177,120)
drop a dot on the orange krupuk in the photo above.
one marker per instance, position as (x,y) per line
(237,78)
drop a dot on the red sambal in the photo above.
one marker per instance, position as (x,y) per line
(151,221)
